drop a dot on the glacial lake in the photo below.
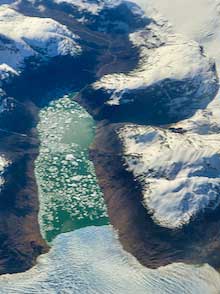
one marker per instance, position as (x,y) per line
(70,197)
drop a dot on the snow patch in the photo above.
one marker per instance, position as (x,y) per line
(6,71)
(4,163)
(84,5)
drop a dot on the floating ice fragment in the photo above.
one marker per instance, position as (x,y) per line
(70,157)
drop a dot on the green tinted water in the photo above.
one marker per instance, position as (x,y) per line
(70,197)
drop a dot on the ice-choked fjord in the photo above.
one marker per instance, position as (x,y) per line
(68,190)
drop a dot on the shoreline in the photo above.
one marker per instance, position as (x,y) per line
(19,228)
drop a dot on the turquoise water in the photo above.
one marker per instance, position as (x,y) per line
(70,197)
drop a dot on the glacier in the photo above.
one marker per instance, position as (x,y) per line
(91,260)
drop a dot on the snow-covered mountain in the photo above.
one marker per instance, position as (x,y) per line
(178,170)
(203,22)
(22,37)
(173,77)
(178,166)
(109,16)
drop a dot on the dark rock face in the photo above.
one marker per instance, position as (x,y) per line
(19,229)
(107,49)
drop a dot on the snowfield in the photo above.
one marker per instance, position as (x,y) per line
(179,171)
(203,21)
(22,37)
